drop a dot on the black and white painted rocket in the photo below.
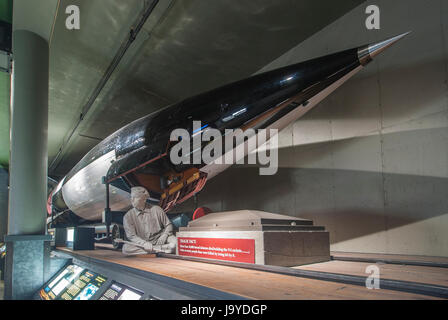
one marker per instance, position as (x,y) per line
(138,153)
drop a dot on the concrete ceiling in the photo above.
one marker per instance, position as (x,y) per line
(186,47)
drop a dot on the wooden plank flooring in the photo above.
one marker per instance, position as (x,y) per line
(428,275)
(248,283)
(379,256)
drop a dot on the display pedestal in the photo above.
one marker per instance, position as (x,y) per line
(26,259)
(258,237)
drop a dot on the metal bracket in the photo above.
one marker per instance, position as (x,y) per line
(109,216)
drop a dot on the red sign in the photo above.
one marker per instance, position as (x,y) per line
(239,250)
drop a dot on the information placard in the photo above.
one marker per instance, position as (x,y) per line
(239,250)
(88,284)
(72,283)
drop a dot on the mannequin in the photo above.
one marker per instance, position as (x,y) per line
(147,226)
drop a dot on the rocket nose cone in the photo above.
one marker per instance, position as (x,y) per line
(367,53)
(376,48)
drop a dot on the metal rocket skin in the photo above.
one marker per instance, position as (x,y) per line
(138,154)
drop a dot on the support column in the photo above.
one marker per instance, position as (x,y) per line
(4,181)
(26,242)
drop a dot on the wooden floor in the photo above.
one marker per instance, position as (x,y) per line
(265,285)
(428,275)
(400,257)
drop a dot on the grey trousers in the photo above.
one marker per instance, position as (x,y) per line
(168,247)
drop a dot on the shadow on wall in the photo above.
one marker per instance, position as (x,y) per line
(356,203)
(408,98)
(350,204)
(344,201)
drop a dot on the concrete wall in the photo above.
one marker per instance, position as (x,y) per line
(371,162)
(3,203)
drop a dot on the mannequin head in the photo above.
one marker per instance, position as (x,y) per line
(139,195)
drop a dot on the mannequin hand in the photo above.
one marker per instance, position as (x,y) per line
(162,239)
(148,246)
